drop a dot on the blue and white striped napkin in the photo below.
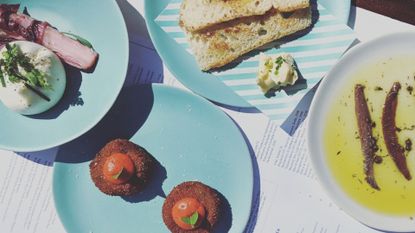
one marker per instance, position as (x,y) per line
(315,53)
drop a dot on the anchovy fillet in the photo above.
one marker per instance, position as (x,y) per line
(395,150)
(367,141)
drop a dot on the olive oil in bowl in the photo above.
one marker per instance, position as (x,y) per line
(342,143)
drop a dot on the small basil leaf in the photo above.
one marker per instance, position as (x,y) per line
(186,220)
(194,218)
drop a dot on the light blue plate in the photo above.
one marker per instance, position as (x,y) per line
(184,67)
(191,139)
(88,96)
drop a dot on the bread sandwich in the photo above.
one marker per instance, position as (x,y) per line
(227,32)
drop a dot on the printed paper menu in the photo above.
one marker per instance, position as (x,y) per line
(290,198)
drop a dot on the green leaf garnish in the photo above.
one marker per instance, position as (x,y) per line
(192,220)
(79,39)
(116,176)
(186,220)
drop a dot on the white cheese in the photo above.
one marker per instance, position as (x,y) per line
(276,71)
(17,97)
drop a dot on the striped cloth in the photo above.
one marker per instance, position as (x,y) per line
(315,53)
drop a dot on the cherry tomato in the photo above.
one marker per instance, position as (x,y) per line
(118,168)
(184,209)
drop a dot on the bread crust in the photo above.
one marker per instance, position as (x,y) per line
(222,43)
(197,15)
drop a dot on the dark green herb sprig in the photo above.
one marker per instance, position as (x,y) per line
(3,83)
(13,57)
(279,62)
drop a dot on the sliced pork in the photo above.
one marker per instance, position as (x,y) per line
(17,26)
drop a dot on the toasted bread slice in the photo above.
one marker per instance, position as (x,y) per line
(199,14)
(221,44)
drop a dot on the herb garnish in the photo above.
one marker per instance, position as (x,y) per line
(26,12)
(192,220)
(116,176)
(13,58)
(3,83)
(79,39)
(268,64)
(279,62)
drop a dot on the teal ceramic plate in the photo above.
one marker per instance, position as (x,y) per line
(88,96)
(184,67)
(190,138)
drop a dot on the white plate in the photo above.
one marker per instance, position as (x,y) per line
(394,44)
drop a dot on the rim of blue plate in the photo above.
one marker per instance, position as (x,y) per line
(345,13)
(108,106)
(215,109)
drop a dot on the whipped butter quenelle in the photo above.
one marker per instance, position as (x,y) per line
(276,71)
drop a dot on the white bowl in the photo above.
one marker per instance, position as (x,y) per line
(394,44)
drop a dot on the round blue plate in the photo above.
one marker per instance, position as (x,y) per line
(184,67)
(87,96)
(190,138)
